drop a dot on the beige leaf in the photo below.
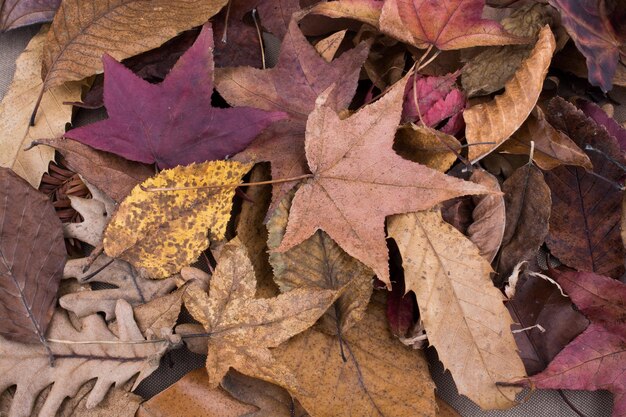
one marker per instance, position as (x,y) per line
(15,110)
(193,396)
(244,328)
(427,146)
(496,120)
(96,212)
(320,262)
(328,46)
(462,311)
(75,364)
(83,30)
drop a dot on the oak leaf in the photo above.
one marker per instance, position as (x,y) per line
(96,213)
(163,231)
(75,364)
(450,24)
(528,206)
(84,30)
(32,256)
(583,199)
(18,13)
(15,132)
(319,262)
(356,168)
(595,36)
(454,291)
(596,359)
(130,286)
(496,120)
(171,123)
(552,148)
(243,329)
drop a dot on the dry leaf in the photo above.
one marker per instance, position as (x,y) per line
(76,364)
(132,287)
(96,212)
(357,168)
(445,410)
(319,262)
(85,29)
(427,146)
(462,311)
(528,203)
(18,13)
(33,255)
(15,109)
(379,376)
(243,328)
(328,46)
(496,120)
(163,231)
(366,11)
(552,147)
(194,396)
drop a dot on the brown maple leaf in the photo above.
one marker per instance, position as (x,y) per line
(358,180)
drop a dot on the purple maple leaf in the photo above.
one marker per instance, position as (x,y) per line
(171,123)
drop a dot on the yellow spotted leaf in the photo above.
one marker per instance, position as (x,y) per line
(163,231)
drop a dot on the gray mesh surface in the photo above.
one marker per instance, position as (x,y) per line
(177,363)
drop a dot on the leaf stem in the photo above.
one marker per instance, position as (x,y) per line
(243,184)
(258,32)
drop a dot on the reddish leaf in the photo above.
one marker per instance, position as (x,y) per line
(32,257)
(17,13)
(584,224)
(172,123)
(449,24)
(594,111)
(597,358)
(588,24)
(437,99)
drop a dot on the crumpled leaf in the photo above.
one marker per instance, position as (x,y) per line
(194,396)
(122,28)
(76,364)
(131,286)
(108,172)
(437,100)
(356,168)
(18,13)
(462,311)
(539,302)
(96,212)
(163,231)
(584,225)
(15,132)
(595,36)
(380,376)
(32,255)
(319,262)
(528,206)
(183,126)
(552,147)
(244,328)
(496,120)
(596,359)
(449,24)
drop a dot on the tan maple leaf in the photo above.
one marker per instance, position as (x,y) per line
(242,328)
(358,180)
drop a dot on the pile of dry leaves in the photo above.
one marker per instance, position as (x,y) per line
(407,173)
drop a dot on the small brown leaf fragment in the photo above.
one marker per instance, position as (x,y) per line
(194,396)
(489,215)
(112,174)
(462,311)
(243,328)
(445,410)
(32,256)
(366,11)
(427,146)
(496,120)
(328,46)
(528,205)
(380,376)
(319,262)
(552,147)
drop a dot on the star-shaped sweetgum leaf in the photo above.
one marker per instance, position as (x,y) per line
(358,180)
(447,24)
(596,359)
(292,86)
(171,123)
